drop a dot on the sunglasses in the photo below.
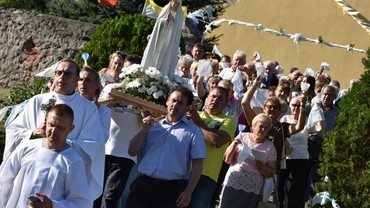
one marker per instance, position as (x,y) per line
(296,105)
(271,106)
(65,73)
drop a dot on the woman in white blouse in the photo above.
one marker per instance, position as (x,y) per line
(297,163)
(252,158)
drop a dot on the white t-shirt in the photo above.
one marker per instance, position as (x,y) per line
(236,77)
(125,124)
(298,141)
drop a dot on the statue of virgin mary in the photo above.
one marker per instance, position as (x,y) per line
(161,51)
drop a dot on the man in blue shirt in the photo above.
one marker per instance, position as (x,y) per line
(169,148)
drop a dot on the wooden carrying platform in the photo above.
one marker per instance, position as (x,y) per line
(139,103)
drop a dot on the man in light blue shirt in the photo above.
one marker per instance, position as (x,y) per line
(169,147)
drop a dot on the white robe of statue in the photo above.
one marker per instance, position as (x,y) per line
(162,49)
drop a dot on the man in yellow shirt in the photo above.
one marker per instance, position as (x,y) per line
(218,129)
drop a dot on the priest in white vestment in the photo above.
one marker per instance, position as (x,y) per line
(86,138)
(162,49)
(48,169)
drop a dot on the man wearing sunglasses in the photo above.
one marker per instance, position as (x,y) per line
(86,138)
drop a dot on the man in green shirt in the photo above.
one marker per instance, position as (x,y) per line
(218,130)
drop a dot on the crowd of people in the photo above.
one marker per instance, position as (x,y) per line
(201,154)
(231,138)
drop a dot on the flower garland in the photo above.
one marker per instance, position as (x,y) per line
(297,37)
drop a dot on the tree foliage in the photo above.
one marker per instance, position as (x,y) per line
(17,95)
(31,5)
(346,149)
(27,90)
(90,10)
(82,10)
(127,33)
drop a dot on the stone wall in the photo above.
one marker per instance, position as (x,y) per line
(31,42)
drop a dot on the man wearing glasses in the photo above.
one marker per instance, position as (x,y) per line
(86,138)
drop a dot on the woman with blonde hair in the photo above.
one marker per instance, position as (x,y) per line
(111,74)
(245,178)
(273,107)
(280,131)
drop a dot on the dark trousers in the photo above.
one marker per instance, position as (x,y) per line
(117,171)
(220,180)
(147,192)
(293,180)
(314,144)
(313,177)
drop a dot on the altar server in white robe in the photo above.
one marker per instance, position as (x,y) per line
(47,168)
(86,138)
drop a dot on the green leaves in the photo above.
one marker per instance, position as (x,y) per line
(320,39)
(127,33)
(26,90)
(346,149)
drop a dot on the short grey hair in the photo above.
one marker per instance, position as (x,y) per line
(185,59)
(240,54)
(269,65)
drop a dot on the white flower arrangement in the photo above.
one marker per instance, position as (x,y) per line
(148,84)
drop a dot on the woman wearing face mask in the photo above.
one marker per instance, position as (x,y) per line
(297,163)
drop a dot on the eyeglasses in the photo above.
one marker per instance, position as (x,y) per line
(65,73)
(295,105)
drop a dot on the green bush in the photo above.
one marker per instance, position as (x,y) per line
(346,149)
(33,5)
(17,95)
(27,90)
(127,33)
(83,10)
(90,11)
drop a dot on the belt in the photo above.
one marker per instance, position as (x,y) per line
(160,181)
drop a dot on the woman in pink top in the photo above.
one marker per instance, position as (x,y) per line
(252,158)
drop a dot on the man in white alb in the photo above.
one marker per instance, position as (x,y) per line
(86,138)
(46,172)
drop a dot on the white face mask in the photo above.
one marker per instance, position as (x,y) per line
(279,69)
(224,65)
(180,73)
